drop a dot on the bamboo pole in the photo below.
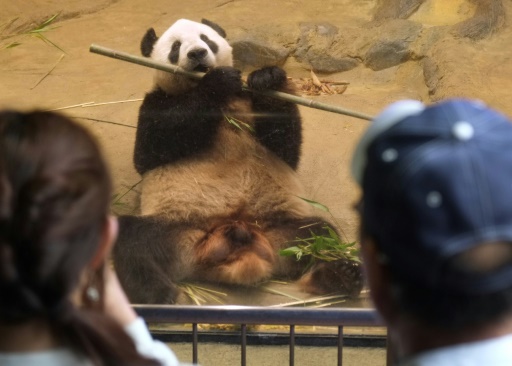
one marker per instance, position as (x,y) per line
(119,55)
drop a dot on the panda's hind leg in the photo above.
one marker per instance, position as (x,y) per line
(147,259)
(322,277)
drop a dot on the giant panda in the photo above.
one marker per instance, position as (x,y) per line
(218,199)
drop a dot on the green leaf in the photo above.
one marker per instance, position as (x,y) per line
(41,37)
(315,204)
(332,233)
(47,22)
(44,27)
(236,122)
(288,252)
(46,40)
(327,247)
(54,45)
(248,126)
(35,31)
(233,122)
(12,45)
(306,241)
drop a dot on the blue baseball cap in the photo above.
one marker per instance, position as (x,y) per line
(437,183)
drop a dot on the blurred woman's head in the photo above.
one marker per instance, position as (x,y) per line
(54,201)
(55,233)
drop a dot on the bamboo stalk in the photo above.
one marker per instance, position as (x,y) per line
(119,55)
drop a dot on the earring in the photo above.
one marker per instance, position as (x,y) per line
(92,293)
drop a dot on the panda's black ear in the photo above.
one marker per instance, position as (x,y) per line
(215,27)
(147,43)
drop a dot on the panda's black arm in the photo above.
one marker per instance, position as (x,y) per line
(278,124)
(279,128)
(172,127)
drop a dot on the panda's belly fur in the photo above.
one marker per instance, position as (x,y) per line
(236,175)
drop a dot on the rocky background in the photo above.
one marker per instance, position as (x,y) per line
(381,50)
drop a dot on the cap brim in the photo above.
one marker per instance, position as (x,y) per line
(390,116)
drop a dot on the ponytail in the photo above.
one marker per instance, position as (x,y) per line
(100,339)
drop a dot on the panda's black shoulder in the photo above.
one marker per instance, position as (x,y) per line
(157,97)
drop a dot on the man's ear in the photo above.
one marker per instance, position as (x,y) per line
(378,278)
(108,238)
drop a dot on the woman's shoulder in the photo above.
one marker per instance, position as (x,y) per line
(57,357)
(149,347)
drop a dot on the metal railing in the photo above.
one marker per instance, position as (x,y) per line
(243,316)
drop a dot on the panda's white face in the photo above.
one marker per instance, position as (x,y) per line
(194,47)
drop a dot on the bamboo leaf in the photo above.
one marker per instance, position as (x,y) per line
(319,247)
(236,122)
(315,204)
(35,31)
(332,233)
(54,45)
(288,252)
(248,126)
(48,21)
(233,122)
(12,45)
(46,40)
(38,31)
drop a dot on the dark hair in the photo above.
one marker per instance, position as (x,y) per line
(54,201)
(448,309)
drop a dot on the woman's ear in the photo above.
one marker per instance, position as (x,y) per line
(108,238)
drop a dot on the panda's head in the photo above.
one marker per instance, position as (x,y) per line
(190,45)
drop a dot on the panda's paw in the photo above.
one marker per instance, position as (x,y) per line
(271,77)
(340,276)
(222,82)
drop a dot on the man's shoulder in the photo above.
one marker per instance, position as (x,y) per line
(489,352)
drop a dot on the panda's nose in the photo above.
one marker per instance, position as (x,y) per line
(197,54)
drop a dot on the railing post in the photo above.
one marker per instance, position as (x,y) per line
(195,341)
(244,344)
(292,345)
(340,345)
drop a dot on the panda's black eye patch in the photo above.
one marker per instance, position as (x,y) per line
(213,46)
(174,55)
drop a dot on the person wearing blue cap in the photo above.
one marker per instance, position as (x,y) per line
(436,230)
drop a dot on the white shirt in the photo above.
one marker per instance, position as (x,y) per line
(490,352)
